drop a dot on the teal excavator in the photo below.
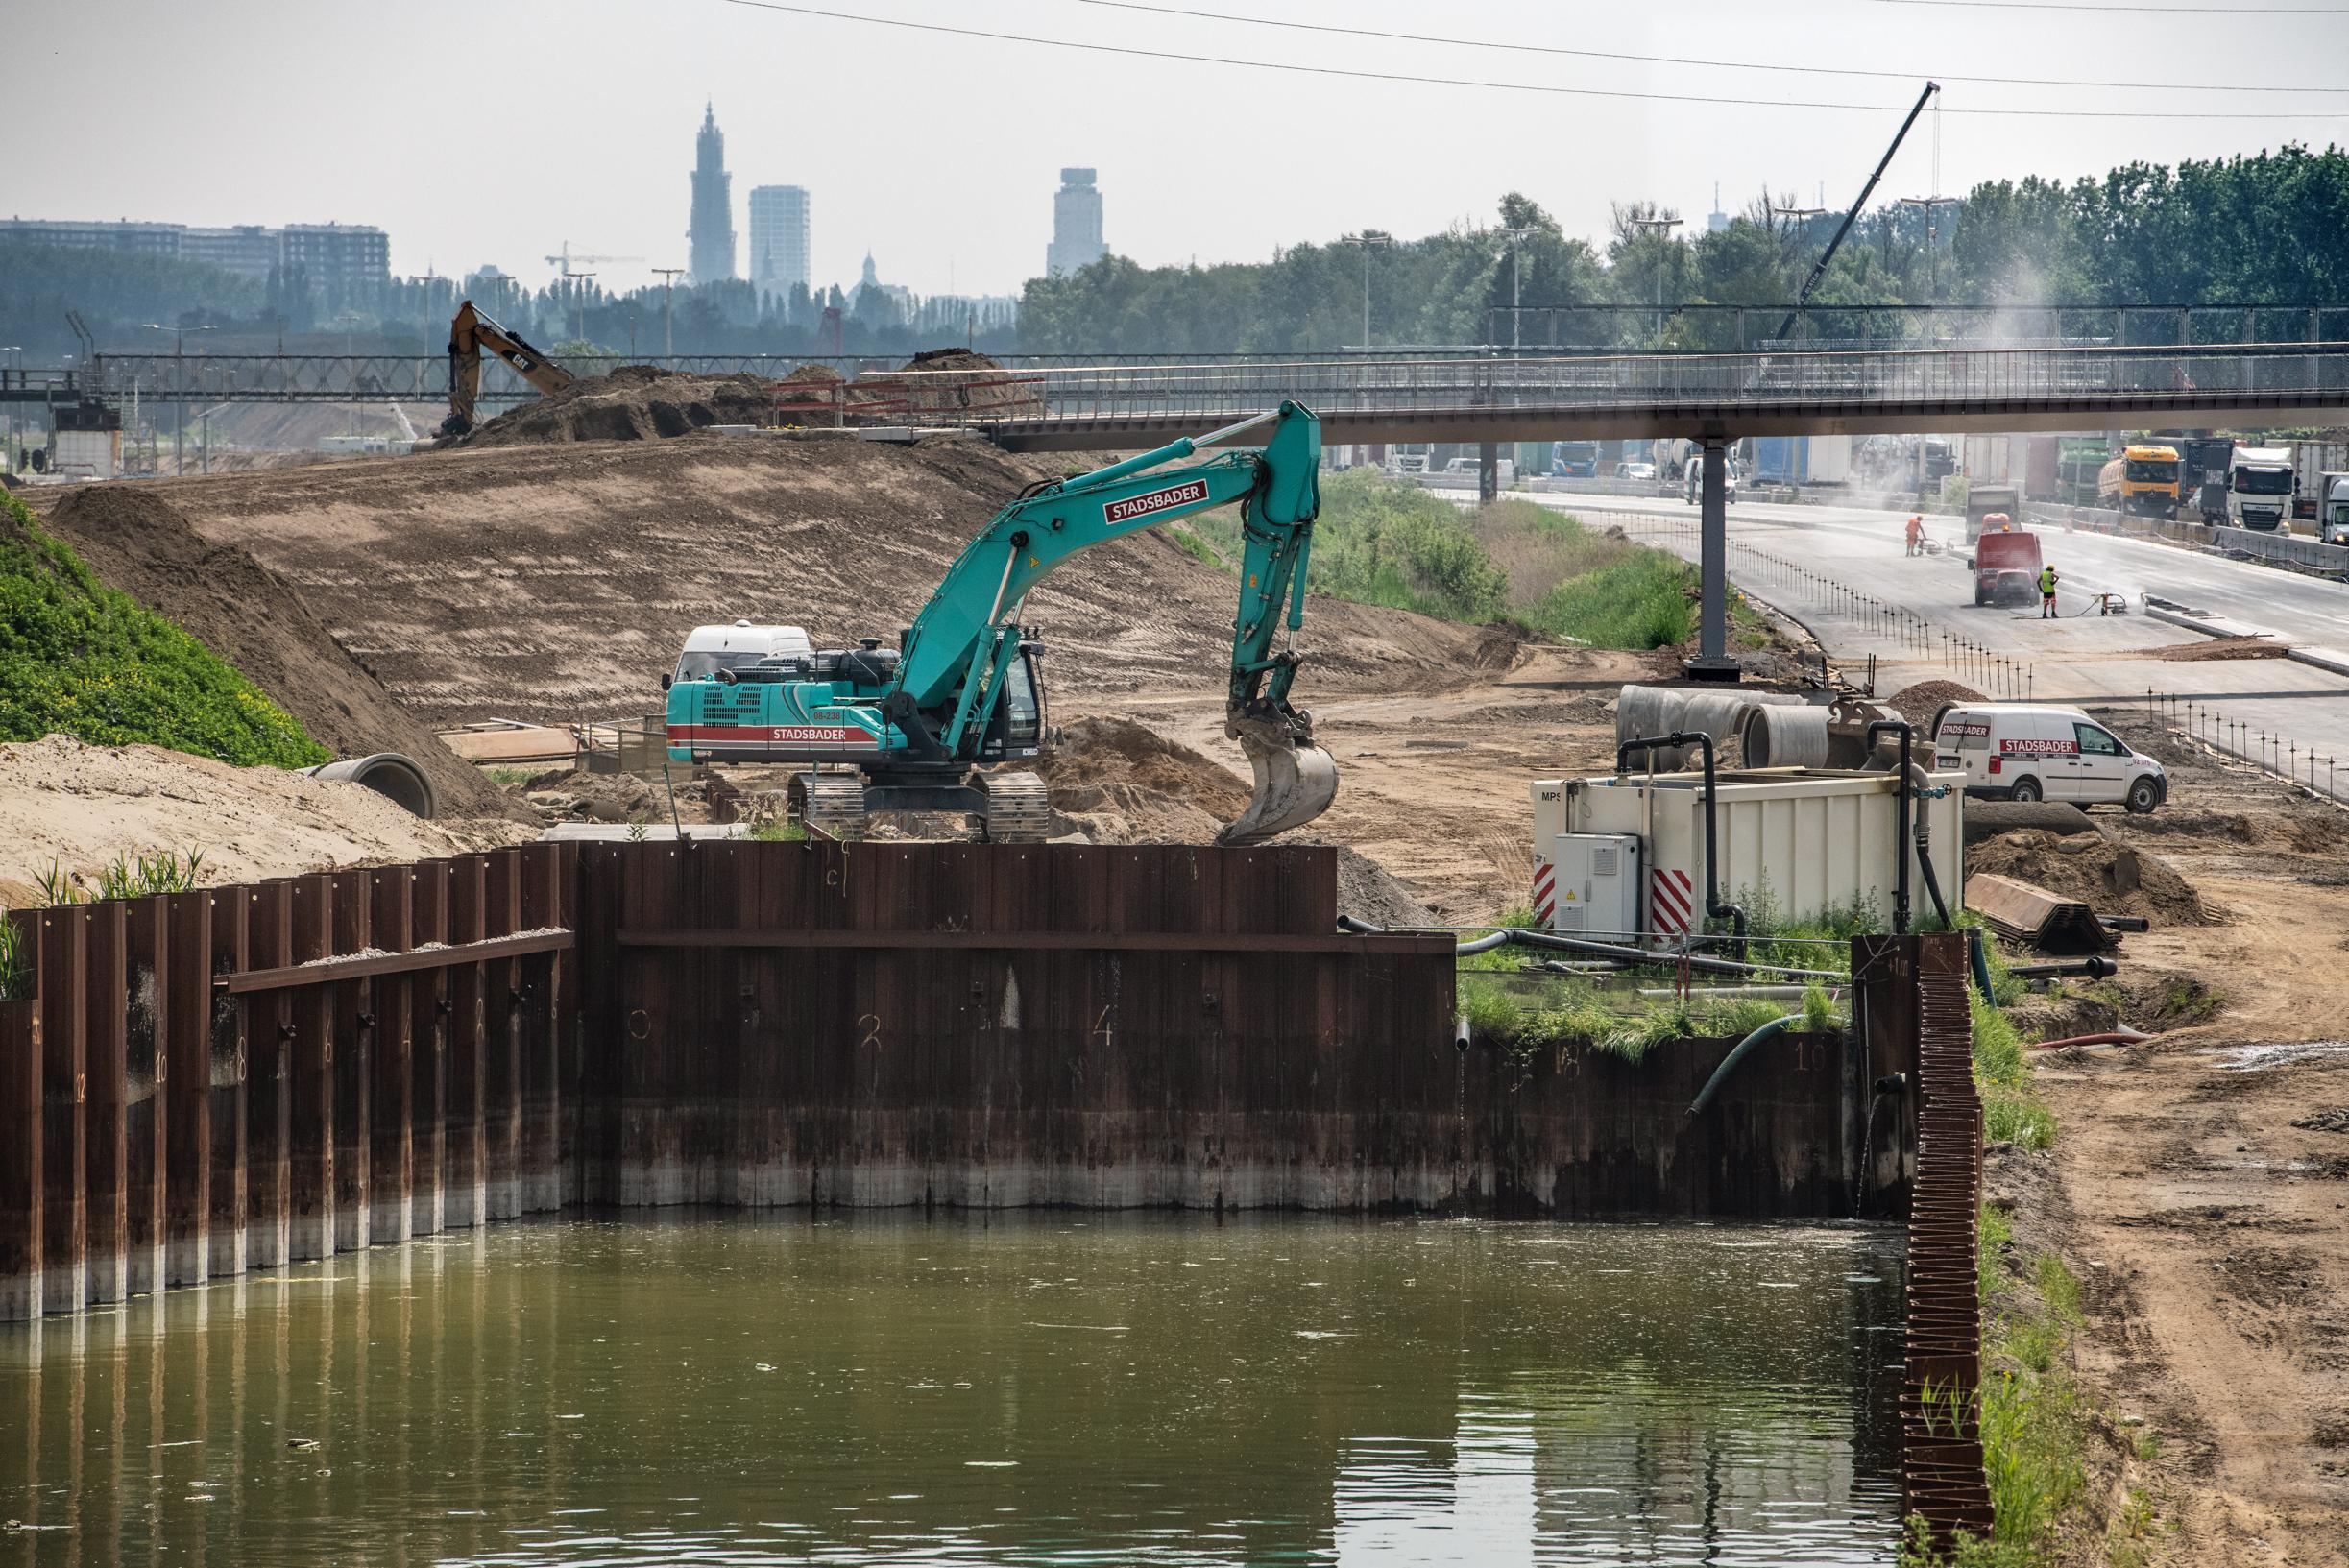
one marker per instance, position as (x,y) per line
(941,722)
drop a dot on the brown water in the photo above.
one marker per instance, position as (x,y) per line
(1019,1389)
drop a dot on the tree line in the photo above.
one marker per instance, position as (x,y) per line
(2266,230)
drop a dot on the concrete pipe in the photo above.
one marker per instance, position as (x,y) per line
(1644,710)
(1781,736)
(396,778)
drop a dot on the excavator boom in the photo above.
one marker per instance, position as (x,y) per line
(471,331)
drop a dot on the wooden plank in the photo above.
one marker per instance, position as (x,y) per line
(463,1154)
(104,1014)
(227,1049)
(441,956)
(20,1155)
(353,1002)
(310,1071)
(502,1105)
(146,1105)
(391,1087)
(269,1022)
(188,1082)
(429,1051)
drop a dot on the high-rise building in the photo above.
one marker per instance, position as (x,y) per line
(342,260)
(1076,224)
(779,238)
(709,234)
(1716,220)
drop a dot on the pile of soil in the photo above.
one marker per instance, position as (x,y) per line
(2203,650)
(1367,891)
(635,403)
(556,582)
(950,359)
(1920,703)
(962,382)
(78,807)
(2111,879)
(139,542)
(1116,782)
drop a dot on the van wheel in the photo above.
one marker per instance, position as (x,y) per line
(2026,789)
(2144,796)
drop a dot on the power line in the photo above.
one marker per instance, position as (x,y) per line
(1544,89)
(1673,60)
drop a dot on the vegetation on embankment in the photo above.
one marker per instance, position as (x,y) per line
(78,658)
(1379,540)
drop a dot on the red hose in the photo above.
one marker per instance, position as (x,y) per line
(2111,1037)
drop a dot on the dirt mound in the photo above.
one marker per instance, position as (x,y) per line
(950,359)
(78,806)
(1920,703)
(1118,781)
(2204,650)
(550,583)
(635,403)
(2111,879)
(1367,891)
(137,542)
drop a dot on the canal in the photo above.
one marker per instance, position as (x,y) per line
(1016,1387)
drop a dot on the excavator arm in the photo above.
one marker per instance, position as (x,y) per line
(472,331)
(958,649)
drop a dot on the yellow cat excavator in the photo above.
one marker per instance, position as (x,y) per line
(467,335)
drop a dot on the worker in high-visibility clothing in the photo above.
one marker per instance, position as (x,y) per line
(1916,536)
(2046,592)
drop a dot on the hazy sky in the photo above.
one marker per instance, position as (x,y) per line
(495,129)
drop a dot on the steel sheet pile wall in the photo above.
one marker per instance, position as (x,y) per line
(1583,1134)
(244,1077)
(998,1026)
(1917,985)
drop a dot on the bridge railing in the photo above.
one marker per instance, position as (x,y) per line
(1728,382)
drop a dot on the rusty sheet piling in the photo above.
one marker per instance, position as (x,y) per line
(345,1060)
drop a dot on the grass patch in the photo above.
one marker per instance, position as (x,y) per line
(779,831)
(509,777)
(16,971)
(78,658)
(1192,544)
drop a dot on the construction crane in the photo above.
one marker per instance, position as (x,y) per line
(472,331)
(1819,269)
(565,260)
(917,725)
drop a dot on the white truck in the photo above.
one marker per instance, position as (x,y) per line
(2260,488)
(2333,508)
(2045,752)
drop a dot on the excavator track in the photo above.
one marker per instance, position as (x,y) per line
(834,802)
(1018,812)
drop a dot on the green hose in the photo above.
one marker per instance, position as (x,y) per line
(1738,1053)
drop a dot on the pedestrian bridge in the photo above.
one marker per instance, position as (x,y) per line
(1699,397)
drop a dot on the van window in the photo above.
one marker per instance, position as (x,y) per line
(2096,743)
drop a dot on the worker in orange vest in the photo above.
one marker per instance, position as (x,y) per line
(1916,536)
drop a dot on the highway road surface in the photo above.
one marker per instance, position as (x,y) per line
(1842,571)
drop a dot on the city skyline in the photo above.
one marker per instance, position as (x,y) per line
(890,182)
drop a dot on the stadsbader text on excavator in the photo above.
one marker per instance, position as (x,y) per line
(943,721)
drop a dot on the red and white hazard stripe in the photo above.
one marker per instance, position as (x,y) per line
(1545,893)
(1671,900)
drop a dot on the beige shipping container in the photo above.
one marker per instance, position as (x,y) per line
(1798,841)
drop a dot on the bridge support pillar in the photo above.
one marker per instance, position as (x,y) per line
(1488,473)
(1713,662)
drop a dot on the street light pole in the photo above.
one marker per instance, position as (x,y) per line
(1662,228)
(668,338)
(1367,240)
(179,377)
(1515,281)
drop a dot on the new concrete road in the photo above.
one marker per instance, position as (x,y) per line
(1843,572)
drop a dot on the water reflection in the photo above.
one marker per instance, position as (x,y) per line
(1029,1389)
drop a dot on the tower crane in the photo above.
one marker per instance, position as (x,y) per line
(564,262)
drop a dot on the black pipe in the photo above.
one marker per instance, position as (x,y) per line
(1714,909)
(2124,923)
(2095,969)
(1900,845)
(1622,956)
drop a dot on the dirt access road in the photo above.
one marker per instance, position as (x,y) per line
(2198,1184)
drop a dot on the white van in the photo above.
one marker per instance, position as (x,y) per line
(1692,487)
(2041,751)
(709,649)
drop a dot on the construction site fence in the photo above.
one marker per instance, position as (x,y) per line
(2273,751)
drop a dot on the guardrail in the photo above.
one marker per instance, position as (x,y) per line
(2290,550)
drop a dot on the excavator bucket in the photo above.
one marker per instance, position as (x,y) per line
(1296,780)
